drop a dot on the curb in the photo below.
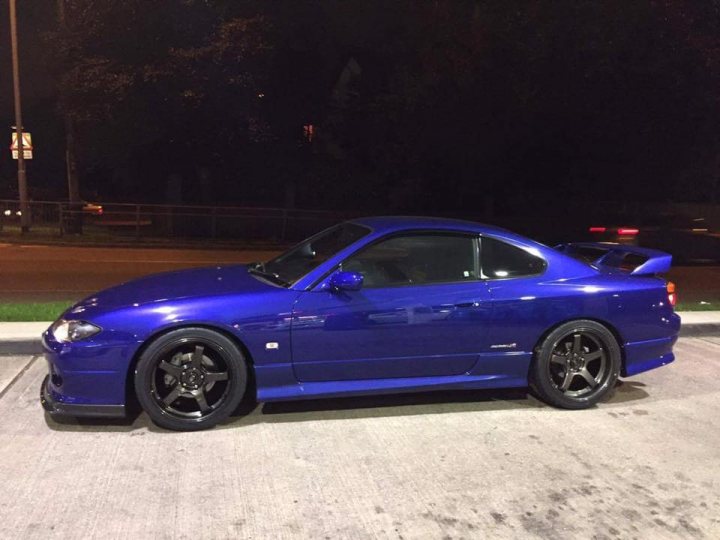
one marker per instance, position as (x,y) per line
(700,330)
(34,346)
(21,346)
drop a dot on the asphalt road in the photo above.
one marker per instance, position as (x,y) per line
(45,273)
(465,465)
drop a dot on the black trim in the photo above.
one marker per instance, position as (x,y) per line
(65,409)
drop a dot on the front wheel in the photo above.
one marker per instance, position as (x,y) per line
(576,366)
(190,379)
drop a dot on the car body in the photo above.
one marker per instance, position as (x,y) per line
(92,209)
(375,305)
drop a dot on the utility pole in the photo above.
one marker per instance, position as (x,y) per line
(22,177)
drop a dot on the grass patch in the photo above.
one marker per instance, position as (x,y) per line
(32,311)
(698,306)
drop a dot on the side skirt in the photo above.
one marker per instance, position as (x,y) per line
(310,390)
(277,382)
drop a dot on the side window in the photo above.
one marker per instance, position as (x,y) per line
(415,260)
(502,260)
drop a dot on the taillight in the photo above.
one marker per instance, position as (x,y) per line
(628,232)
(597,229)
(672,295)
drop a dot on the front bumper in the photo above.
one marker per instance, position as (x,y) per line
(85,378)
(55,407)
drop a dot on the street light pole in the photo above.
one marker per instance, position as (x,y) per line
(22,177)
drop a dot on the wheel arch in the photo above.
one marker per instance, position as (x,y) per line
(129,376)
(610,327)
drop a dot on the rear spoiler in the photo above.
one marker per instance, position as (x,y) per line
(637,261)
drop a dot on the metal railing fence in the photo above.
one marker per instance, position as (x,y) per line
(139,221)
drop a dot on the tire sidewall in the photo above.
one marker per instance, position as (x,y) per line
(163,344)
(540,375)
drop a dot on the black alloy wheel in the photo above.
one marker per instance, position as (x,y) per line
(577,365)
(190,379)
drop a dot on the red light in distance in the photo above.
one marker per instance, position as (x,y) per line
(628,232)
(598,229)
(672,295)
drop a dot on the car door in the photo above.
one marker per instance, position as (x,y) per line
(420,313)
(523,304)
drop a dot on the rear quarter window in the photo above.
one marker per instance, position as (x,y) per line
(499,260)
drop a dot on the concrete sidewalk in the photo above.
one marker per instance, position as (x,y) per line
(21,337)
(471,464)
(24,337)
(700,323)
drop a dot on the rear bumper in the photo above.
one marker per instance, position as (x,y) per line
(641,356)
(55,407)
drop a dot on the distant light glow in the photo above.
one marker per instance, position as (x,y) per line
(309,132)
(598,229)
(501,273)
(672,296)
(628,232)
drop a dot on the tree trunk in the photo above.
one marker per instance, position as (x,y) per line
(75,218)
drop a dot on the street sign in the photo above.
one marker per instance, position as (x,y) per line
(27,145)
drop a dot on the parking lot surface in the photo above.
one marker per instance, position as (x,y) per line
(646,464)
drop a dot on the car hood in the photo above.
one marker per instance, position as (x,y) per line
(212,281)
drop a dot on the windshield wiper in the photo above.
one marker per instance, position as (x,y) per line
(259,270)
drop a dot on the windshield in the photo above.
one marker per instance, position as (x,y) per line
(309,254)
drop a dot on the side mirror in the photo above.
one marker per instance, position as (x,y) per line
(346,281)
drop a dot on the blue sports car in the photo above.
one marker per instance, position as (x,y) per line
(374,305)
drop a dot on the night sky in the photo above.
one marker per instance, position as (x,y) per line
(433,107)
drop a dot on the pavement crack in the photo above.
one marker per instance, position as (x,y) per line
(17,377)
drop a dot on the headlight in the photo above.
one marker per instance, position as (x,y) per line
(68,331)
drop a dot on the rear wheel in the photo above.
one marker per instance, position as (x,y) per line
(190,379)
(576,366)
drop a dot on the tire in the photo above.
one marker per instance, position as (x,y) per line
(190,379)
(576,366)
